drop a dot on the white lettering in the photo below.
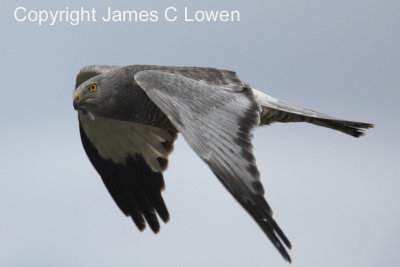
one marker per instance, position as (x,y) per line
(174,18)
(199,15)
(53,16)
(108,18)
(235,13)
(76,16)
(212,15)
(129,13)
(16,11)
(224,16)
(32,15)
(153,16)
(43,16)
(143,15)
(186,15)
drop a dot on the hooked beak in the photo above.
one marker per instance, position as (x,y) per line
(77,104)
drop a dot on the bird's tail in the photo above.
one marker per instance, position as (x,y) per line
(275,110)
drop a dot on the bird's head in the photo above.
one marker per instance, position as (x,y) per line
(96,95)
(113,94)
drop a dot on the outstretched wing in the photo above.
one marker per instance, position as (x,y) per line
(276,110)
(130,158)
(217,121)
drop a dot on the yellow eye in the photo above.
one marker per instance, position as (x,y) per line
(92,87)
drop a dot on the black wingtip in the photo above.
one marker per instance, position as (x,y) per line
(140,224)
(259,211)
(155,230)
(280,233)
(360,130)
(288,259)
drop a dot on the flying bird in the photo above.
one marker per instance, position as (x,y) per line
(129,118)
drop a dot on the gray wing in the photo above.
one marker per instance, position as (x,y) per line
(276,110)
(217,122)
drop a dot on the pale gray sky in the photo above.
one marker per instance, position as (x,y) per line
(336,197)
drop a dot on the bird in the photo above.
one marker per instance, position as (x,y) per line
(130,116)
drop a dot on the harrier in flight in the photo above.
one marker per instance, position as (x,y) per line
(129,118)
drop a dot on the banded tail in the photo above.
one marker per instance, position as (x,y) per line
(276,110)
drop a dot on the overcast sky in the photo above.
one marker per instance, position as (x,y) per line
(336,197)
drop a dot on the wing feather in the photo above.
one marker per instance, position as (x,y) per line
(130,159)
(217,121)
